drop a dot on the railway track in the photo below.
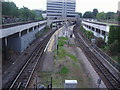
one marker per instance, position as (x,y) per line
(23,78)
(110,81)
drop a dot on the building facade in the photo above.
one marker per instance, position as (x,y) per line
(61,9)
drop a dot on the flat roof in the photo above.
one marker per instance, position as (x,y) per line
(70,81)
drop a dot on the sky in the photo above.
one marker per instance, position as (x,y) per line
(81,5)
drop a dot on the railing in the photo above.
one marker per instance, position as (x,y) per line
(19,23)
(108,58)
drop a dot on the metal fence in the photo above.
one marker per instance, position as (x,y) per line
(108,58)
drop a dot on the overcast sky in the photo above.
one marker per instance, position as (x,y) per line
(81,5)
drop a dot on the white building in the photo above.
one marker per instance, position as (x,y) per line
(60,9)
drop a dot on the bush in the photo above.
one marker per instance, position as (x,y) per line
(100,42)
(114,34)
(88,34)
(114,48)
(64,70)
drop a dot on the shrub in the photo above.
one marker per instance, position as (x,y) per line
(114,48)
(100,42)
(64,70)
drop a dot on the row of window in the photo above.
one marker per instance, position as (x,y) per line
(54,9)
(70,15)
(53,12)
(60,3)
(71,12)
(70,8)
(53,15)
(96,30)
(54,6)
(54,2)
(60,6)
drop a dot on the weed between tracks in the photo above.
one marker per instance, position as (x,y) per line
(66,67)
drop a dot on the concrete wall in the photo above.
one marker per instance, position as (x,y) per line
(20,43)
(9,31)
(14,43)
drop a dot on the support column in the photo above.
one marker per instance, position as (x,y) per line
(19,34)
(100,32)
(32,28)
(6,41)
(27,31)
(5,49)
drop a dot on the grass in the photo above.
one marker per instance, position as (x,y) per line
(66,66)
(63,38)
(61,53)
(73,57)
(64,70)
(116,58)
(62,41)
(72,45)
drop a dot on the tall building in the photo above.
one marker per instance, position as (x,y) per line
(61,9)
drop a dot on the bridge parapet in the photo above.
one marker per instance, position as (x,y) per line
(15,29)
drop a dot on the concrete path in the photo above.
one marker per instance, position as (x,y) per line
(48,64)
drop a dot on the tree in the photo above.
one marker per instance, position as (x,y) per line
(110,15)
(9,9)
(39,14)
(24,13)
(80,14)
(101,15)
(114,48)
(32,15)
(95,11)
(89,34)
(114,34)
(88,14)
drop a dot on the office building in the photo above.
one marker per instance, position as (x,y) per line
(61,9)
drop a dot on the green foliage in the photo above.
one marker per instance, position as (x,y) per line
(40,17)
(63,38)
(27,14)
(95,11)
(32,15)
(100,42)
(110,15)
(74,58)
(88,34)
(114,34)
(64,70)
(88,14)
(47,28)
(9,9)
(114,48)
(101,15)
(38,34)
(61,53)
(80,14)
(62,41)
(116,58)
